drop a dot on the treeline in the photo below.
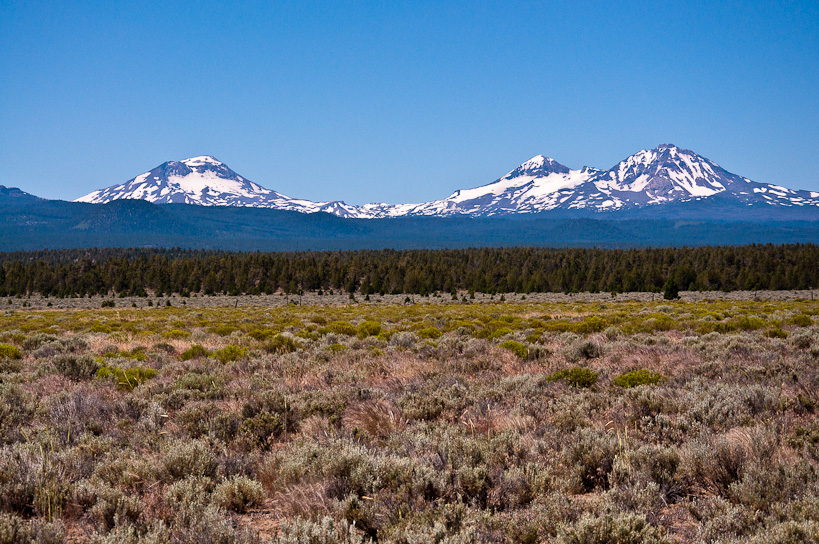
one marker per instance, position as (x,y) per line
(136,272)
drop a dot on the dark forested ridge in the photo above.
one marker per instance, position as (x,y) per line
(523,270)
(33,224)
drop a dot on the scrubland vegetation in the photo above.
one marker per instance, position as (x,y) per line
(519,422)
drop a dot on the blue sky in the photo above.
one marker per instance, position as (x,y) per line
(400,101)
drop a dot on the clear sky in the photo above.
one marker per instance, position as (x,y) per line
(400,101)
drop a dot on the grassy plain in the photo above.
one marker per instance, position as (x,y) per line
(576,420)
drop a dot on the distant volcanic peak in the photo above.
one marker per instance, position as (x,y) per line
(202,180)
(168,169)
(666,173)
(207,163)
(539,165)
(659,156)
(202,159)
(542,161)
(671,148)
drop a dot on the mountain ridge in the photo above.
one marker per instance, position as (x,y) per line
(135,223)
(652,177)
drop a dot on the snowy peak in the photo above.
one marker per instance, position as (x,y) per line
(539,165)
(666,173)
(201,180)
(202,160)
(534,185)
(206,181)
(206,163)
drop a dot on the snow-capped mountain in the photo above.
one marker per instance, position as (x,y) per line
(206,181)
(668,174)
(658,176)
(537,184)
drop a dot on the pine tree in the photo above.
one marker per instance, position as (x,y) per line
(670,290)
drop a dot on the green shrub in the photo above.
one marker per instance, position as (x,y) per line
(16,408)
(10,366)
(223,330)
(197,525)
(199,419)
(113,507)
(429,332)
(8,351)
(76,367)
(206,385)
(14,335)
(164,347)
(749,323)
(256,431)
(14,529)
(176,334)
(498,333)
(229,353)
(191,490)
(590,324)
(194,352)
(125,469)
(189,458)
(281,344)
(324,531)
(137,353)
(576,377)
(342,327)
(802,339)
(801,320)
(620,529)
(238,493)
(34,342)
(776,332)
(368,328)
(404,339)
(515,347)
(10,359)
(590,454)
(638,377)
(261,334)
(534,337)
(788,532)
(127,378)
(308,334)
(101,327)
(33,481)
(584,350)
(658,322)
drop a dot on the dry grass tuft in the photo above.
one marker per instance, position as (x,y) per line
(374,419)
